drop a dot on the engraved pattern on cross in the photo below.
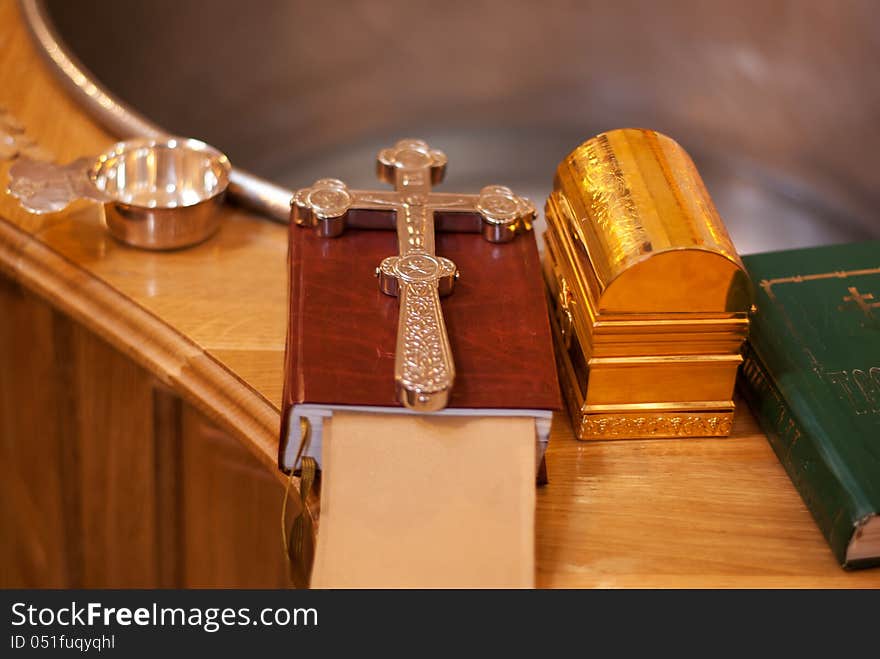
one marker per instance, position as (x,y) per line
(424,371)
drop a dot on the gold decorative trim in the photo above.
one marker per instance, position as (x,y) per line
(768,284)
(633,426)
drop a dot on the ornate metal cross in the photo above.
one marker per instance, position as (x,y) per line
(423,369)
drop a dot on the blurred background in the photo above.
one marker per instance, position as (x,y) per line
(778,101)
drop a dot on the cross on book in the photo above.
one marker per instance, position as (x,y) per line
(861,300)
(424,369)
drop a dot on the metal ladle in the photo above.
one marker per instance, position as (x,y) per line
(157,193)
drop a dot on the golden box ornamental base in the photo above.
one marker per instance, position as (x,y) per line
(650,298)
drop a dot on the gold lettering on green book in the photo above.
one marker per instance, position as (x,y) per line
(786,426)
(858,388)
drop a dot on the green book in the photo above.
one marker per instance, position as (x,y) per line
(811,375)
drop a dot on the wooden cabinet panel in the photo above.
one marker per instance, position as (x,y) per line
(39,545)
(107,479)
(231,508)
(113,457)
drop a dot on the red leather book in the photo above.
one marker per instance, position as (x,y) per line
(342,329)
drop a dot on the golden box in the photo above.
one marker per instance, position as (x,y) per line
(650,299)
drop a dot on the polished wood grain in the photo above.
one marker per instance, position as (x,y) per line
(109,479)
(200,335)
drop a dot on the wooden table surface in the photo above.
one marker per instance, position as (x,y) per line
(210,323)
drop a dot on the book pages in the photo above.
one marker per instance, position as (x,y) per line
(426,502)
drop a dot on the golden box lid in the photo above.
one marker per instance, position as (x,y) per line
(646,236)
